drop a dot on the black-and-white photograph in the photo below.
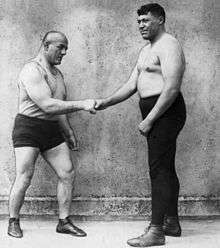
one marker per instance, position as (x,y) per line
(110,123)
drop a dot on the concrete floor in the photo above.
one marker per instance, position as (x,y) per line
(40,233)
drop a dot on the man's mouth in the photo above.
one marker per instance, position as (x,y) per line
(144,32)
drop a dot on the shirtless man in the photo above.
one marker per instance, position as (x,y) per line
(157,78)
(41,126)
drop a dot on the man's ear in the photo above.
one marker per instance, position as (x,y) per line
(46,46)
(161,20)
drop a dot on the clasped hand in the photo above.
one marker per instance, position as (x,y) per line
(100,104)
(89,105)
(92,105)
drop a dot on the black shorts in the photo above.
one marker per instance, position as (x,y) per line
(35,132)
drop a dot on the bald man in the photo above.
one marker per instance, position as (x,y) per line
(41,126)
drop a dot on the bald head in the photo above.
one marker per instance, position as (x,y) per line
(54,46)
(53,36)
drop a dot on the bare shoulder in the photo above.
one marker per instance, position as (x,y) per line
(171,54)
(29,69)
(30,73)
(169,43)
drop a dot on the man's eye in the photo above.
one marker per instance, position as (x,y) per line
(143,21)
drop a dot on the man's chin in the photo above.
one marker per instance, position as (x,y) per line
(145,37)
(58,62)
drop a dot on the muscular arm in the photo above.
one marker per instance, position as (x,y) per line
(68,132)
(64,120)
(172,66)
(125,91)
(39,91)
(65,125)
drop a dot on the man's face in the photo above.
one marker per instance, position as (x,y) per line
(56,50)
(149,25)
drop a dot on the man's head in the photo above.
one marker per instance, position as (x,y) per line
(55,45)
(151,19)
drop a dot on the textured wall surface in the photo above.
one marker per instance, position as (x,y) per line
(104,42)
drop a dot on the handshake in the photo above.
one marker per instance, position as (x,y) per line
(92,105)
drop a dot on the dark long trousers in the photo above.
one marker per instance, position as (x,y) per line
(161,155)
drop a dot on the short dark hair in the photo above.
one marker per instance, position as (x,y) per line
(154,8)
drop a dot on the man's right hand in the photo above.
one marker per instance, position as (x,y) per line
(89,105)
(100,104)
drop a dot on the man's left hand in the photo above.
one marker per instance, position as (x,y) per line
(145,127)
(72,143)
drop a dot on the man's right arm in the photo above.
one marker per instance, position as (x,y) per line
(39,91)
(121,94)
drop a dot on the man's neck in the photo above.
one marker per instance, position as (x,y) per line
(158,36)
(44,62)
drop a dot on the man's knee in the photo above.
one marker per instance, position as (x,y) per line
(24,179)
(67,175)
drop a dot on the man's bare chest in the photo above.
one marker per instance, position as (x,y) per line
(149,60)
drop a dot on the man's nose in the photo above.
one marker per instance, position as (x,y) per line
(141,25)
(63,51)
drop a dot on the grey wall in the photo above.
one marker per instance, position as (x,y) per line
(103,47)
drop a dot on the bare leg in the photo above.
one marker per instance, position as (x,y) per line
(25,160)
(60,160)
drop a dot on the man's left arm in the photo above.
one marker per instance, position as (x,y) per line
(66,128)
(172,66)
(68,132)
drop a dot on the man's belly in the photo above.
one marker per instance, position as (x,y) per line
(149,84)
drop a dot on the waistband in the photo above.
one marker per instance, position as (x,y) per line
(36,120)
(150,97)
(156,96)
